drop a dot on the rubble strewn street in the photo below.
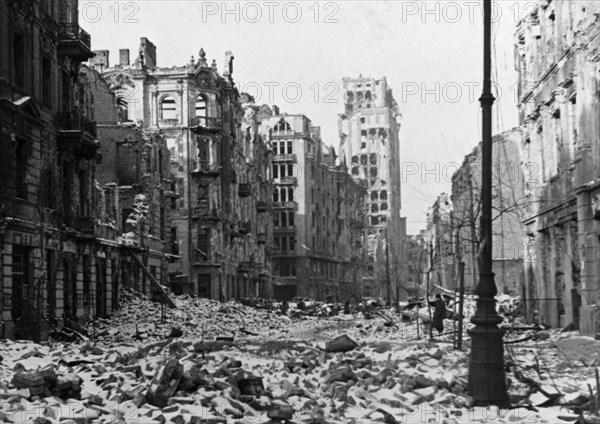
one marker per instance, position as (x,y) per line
(238,364)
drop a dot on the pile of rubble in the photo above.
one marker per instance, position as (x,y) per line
(181,380)
(139,319)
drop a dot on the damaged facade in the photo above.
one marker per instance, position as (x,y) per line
(55,267)
(135,187)
(557,51)
(317,214)
(508,206)
(218,222)
(370,148)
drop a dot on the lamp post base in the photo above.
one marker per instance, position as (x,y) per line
(487,377)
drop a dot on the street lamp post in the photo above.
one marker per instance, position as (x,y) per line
(487,378)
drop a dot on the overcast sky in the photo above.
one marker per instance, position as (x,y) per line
(298,52)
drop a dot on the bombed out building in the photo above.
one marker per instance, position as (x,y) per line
(557,49)
(216,224)
(370,148)
(58,260)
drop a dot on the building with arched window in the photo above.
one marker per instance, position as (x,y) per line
(218,224)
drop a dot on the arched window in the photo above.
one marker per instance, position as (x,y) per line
(123,109)
(168,108)
(374,195)
(368,95)
(384,206)
(374,208)
(383,195)
(201,106)
(282,126)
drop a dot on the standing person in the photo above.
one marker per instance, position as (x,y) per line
(439,314)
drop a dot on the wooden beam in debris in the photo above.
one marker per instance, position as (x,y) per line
(156,284)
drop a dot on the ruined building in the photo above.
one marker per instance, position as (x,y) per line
(508,207)
(557,48)
(135,185)
(218,220)
(58,265)
(318,220)
(439,243)
(370,148)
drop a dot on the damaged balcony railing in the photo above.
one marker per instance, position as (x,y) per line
(244,189)
(262,206)
(205,123)
(73,32)
(75,121)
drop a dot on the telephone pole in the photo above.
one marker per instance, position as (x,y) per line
(487,378)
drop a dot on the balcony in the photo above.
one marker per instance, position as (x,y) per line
(203,260)
(283,133)
(245,267)
(203,125)
(287,181)
(244,189)
(84,224)
(76,133)
(206,172)
(285,205)
(261,238)
(203,215)
(262,207)
(75,42)
(284,253)
(285,230)
(169,123)
(285,158)
(245,228)
(354,223)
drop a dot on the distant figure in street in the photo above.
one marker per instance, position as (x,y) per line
(301,305)
(347,307)
(439,314)
(284,307)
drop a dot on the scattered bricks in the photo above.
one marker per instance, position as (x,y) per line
(280,412)
(41,420)
(165,383)
(199,420)
(135,369)
(342,374)
(422,382)
(251,386)
(341,344)
(25,380)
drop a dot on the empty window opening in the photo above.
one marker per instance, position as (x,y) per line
(168,108)
(201,106)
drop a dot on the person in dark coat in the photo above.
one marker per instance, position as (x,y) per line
(439,314)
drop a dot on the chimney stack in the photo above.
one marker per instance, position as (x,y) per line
(124,57)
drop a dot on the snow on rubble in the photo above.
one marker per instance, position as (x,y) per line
(271,368)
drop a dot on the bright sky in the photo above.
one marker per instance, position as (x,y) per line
(295,54)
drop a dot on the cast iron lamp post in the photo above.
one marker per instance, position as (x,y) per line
(487,378)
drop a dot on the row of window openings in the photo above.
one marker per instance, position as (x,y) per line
(282,171)
(376,220)
(168,107)
(283,194)
(372,159)
(284,243)
(373,171)
(283,147)
(283,219)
